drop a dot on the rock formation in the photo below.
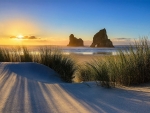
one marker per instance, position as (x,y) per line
(74,41)
(100,39)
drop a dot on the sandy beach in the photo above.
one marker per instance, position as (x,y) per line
(35,88)
(82,58)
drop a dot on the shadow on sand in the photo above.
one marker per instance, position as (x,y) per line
(22,93)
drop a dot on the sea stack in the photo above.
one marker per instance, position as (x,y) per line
(100,39)
(74,42)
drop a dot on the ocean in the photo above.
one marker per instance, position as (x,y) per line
(91,51)
(86,50)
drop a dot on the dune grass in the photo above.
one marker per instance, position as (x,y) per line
(96,70)
(132,66)
(51,57)
(15,54)
(128,67)
(61,63)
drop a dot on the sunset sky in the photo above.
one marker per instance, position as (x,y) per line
(52,21)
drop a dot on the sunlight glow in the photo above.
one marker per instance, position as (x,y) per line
(20,36)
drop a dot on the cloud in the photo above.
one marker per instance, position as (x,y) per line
(123,41)
(13,37)
(24,37)
(30,37)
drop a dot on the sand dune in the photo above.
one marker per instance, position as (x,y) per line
(32,71)
(34,88)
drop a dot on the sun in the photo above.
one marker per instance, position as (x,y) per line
(20,37)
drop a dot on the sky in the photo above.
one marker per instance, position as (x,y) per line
(52,21)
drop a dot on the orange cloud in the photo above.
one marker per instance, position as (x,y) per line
(24,37)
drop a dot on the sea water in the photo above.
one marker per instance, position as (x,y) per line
(91,51)
(86,50)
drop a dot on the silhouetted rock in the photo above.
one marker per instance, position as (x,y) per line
(74,41)
(100,39)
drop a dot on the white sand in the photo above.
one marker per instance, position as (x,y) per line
(34,88)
